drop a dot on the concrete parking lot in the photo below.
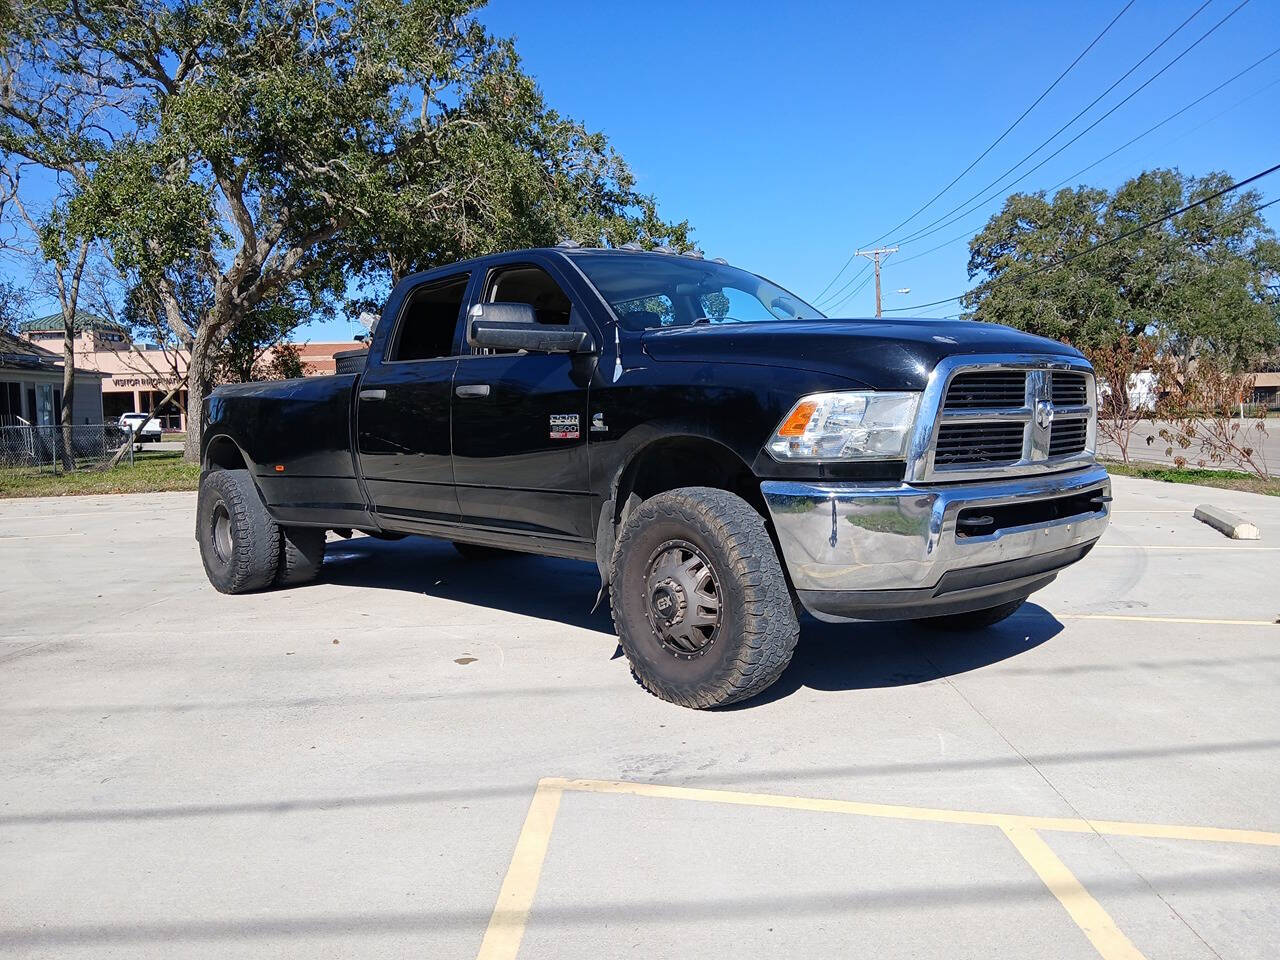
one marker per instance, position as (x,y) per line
(423,756)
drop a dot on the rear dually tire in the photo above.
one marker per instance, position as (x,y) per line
(239,542)
(301,555)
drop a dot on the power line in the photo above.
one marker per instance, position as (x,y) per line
(1106,243)
(1172,116)
(1219,114)
(965,207)
(846,284)
(1127,143)
(927,231)
(989,148)
(852,293)
(1009,129)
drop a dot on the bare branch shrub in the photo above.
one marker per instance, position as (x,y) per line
(1204,410)
(1119,365)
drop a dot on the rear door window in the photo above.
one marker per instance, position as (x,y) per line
(429,320)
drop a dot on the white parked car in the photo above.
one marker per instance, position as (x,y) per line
(145,428)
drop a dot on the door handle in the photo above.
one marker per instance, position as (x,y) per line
(373,394)
(472,390)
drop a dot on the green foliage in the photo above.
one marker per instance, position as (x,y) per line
(716,304)
(257,349)
(1201,282)
(284,145)
(383,134)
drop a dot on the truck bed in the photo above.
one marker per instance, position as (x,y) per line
(305,426)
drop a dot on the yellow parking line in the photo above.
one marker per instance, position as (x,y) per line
(511,913)
(1093,921)
(1109,616)
(515,900)
(936,815)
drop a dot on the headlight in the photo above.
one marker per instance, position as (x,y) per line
(862,425)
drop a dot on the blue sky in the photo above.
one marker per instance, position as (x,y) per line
(790,134)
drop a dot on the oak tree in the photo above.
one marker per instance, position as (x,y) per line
(286,144)
(1202,282)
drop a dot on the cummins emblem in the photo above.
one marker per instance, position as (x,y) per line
(564,426)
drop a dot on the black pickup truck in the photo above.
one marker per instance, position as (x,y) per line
(726,455)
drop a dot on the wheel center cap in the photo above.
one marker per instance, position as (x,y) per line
(665,602)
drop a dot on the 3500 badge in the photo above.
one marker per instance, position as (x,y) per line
(564,426)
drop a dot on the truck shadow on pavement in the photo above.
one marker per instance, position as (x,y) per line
(831,657)
(868,655)
(530,586)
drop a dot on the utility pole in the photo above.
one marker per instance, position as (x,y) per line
(874,256)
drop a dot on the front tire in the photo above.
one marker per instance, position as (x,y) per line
(974,619)
(239,542)
(700,603)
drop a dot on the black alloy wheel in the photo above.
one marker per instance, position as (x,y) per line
(684,599)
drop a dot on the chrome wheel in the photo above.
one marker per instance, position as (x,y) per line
(222,542)
(682,597)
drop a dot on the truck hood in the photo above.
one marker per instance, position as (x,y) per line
(882,354)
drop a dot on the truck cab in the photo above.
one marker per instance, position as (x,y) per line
(727,456)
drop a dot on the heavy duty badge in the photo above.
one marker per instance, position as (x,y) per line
(564,426)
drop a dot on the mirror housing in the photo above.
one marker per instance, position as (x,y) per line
(515,326)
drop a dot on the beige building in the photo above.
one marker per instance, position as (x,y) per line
(1266,389)
(136,380)
(133,381)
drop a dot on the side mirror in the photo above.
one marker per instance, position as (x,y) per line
(515,326)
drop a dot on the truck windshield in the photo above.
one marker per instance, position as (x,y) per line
(655,290)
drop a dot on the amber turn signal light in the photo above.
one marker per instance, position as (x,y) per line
(799,419)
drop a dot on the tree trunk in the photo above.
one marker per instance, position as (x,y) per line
(66,415)
(198,377)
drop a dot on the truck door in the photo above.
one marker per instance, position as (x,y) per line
(520,419)
(402,413)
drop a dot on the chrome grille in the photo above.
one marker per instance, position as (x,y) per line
(1068,436)
(989,389)
(1003,415)
(986,443)
(1069,389)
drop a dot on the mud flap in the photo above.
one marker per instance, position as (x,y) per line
(604,550)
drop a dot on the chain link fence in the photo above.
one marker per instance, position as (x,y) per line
(57,449)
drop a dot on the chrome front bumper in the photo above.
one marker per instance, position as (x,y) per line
(871,551)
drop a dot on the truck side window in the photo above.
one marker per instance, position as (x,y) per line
(531,285)
(429,319)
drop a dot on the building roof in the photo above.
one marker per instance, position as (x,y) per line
(53,323)
(19,354)
(16,352)
(1266,379)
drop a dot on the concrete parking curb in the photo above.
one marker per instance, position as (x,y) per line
(1226,523)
